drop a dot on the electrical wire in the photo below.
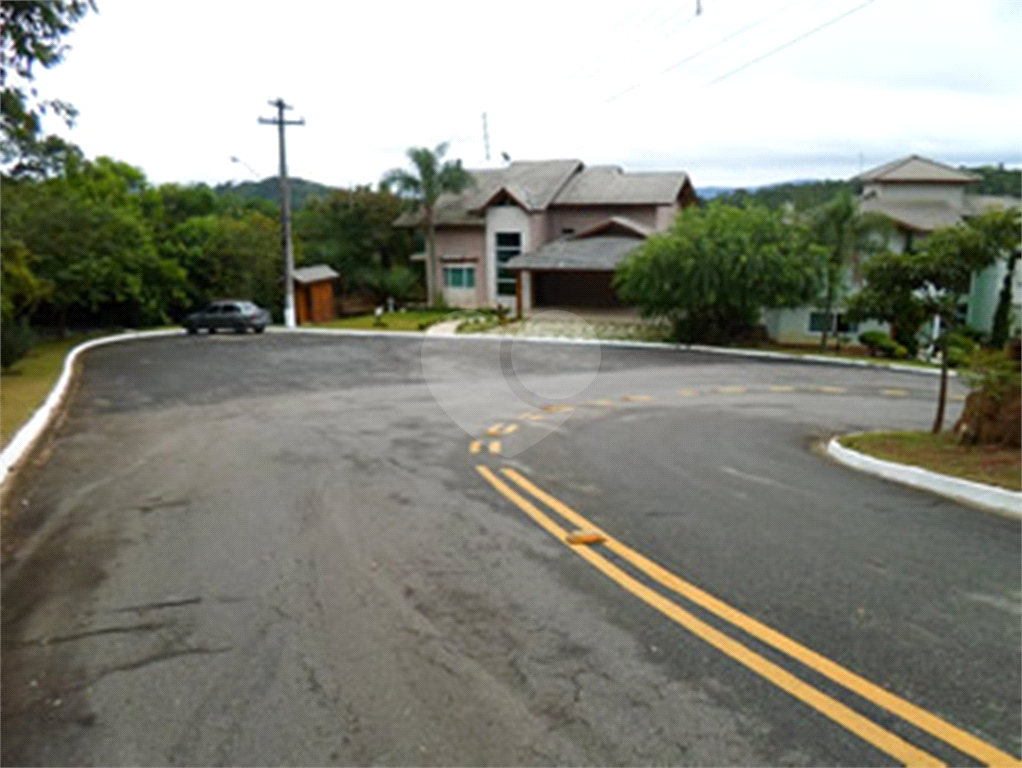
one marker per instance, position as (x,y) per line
(788,44)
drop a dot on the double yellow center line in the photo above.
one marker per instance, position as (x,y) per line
(840,713)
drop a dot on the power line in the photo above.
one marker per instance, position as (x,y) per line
(788,44)
(707,49)
(614,32)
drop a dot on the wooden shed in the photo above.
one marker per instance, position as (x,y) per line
(314,294)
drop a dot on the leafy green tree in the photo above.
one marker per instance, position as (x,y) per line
(229,256)
(352,231)
(846,233)
(430,177)
(31,33)
(399,283)
(717,268)
(932,281)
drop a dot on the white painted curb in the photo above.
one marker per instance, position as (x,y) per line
(33,428)
(734,352)
(978,494)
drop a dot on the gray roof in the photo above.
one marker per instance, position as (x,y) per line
(609,185)
(314,274)
(537,185)
(534,183)
(917,169)
(926,216)
(589,253)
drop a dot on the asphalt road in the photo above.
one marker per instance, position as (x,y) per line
(313,550)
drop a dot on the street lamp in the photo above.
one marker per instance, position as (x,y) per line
(235,159)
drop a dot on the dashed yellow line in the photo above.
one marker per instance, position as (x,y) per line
(494,446)
(895,392)
(475,446)
(530,416)
(957,398)
(841,714)
(495,429)
(832,390)
(782,388)
(731,390)
(558,408)
(688,392)
(636,398)
(599,403)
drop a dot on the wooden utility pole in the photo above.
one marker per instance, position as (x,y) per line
(285,210)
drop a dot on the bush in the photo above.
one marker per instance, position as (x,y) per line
(16,341)
(961,346)
(878,342)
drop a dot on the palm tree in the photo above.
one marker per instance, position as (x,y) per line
(429,178)
(847,233)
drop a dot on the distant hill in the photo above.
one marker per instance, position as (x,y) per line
(269,189)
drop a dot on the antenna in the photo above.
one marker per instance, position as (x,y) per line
(486,137)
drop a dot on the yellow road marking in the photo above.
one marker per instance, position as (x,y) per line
(558,408)
(599,403)
(495,446)
(956,737)
(475,446)
(530,416)
(782,388)
(832,390)
(843,715)
(495,429)
(957,398)
(731,390)
(636,398)
(688,392)
(896,392)
(509,429)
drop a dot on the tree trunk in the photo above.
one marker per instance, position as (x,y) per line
(938,421)
(430,259)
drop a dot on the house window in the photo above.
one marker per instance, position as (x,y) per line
(459,277)
(818,321)
(509,245)
(568,231)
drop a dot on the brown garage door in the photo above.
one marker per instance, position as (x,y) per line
(574,289)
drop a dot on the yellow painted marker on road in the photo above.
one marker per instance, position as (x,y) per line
(782,388)
(495,446)
(956,737)
(732,390)
(688,392)
(832,390)
(475,446)
(895,392)
(636,398)
(840,713)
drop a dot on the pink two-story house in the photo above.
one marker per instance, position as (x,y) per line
(547,233)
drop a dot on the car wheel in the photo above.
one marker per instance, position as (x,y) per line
(259,328)
(192,330)
(211,330)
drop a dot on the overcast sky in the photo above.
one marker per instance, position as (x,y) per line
(175,87)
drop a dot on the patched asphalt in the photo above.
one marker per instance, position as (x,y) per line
(277,550)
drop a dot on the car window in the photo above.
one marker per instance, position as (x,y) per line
(212,309)
(231,308)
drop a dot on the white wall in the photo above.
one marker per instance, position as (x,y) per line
(502,218)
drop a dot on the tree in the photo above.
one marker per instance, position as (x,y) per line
(431,177)
(31,33)
(717,268)
(847,234)
(932,282)
(352,231)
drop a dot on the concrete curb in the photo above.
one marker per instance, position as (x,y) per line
(26,437)
(750,353)
(987,497)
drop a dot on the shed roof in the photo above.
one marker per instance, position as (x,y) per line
(916,169)
(600,254)
(314,274)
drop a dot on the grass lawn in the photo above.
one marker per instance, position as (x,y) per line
(392,321)
(941,453)
(24,388)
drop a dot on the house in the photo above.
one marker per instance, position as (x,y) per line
(547,233)
(918,195)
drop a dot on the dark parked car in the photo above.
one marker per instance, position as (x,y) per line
(237,316)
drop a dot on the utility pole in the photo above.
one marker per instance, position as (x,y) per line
(285,210)
(486,137)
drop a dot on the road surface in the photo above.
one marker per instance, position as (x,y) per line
(302,550)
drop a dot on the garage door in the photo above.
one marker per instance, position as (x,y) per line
(574,289)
